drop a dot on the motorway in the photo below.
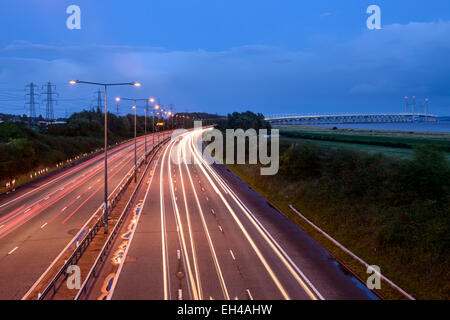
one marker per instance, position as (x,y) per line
(203,234)
(39,221)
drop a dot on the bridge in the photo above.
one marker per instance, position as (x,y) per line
(350,118)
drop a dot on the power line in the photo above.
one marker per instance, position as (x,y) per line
(50,92)
(32,100)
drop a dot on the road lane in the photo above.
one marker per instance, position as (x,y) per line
(230,243)
(62,204)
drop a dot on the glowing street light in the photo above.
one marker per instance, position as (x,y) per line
(106,85)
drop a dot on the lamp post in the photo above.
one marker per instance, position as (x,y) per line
(106,85)
(135,146)
(153,120)
(145,134)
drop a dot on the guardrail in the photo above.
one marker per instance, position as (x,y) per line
(112,235)
(82,246)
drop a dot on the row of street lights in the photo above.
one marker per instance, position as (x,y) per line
(155,108)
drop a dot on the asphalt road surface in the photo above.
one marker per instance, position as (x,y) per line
(204,234)
(38,221)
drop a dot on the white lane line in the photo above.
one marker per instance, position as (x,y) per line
(232,255)
(65,250)
(205,227)
(220,228)
(180,294)
(11,252)
(188,216)
(43,226)
(249,294)
(79,197)
(27,210)
(193,286)
(64,209)
(164,248)
(240,225)
(2,226)
(284,257)
(70,171)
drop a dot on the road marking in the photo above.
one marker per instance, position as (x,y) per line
(213,212)
(47,198)
(269,270)
(64,209)
(43,226)
(284,257)
(79,197)
(2,226)
(164,247)
(193,250)
(249,294)
(192,284)
(95,215)
(13,250)
(70,171)
(180,294)
(90,188)
(205,227)
(27,210)
(232,255)
(220,228)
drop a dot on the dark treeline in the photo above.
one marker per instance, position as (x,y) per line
(24,148)
(245,120)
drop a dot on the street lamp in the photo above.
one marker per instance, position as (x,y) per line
(153,121)
(147,100)
(106,85)
(135,146)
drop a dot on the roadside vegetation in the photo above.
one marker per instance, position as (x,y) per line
(375,140)
(394,213)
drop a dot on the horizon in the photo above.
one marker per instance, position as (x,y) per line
(209,57)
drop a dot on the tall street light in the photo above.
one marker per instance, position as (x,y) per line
(153,121)
(135,136)
(151,100)
(106,85)
(135,146)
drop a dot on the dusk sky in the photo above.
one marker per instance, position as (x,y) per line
(287,56)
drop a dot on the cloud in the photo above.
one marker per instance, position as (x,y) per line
(369,72)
